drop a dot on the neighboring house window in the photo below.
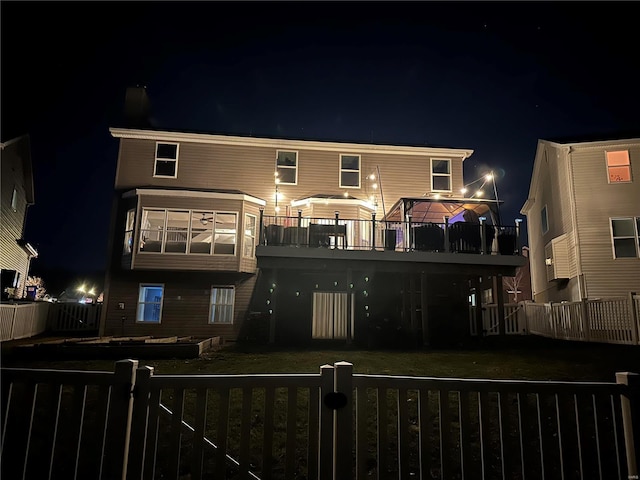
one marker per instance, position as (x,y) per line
(625,233)
(440,175)
(128,231)
(618,166)
(287,167)
(166,160)
(188,232)
(150,303)
(249,235)
(350,171)
(222,299)
(544,219)
(14,199)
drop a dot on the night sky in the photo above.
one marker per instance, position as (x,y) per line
(493,77)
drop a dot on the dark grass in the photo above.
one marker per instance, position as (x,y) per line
(531,358)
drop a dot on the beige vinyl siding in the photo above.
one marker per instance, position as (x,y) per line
(251,170)
(12,256)
(185,308)
(596,202)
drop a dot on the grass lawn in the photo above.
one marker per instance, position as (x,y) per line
(531,358)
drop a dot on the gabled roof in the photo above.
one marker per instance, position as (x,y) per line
(591,140)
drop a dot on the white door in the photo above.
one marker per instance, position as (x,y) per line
(330,315)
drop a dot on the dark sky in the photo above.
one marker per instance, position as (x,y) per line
(494,77)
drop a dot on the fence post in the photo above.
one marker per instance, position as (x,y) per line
(139,422)
(325,450)
(586,327)
(343,421)
(116,449)
(633,315)
(630,404)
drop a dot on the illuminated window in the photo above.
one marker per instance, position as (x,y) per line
(350,171)
(166,160)
(625,234)
(249,235)
(618,166)
(150,303)
(222,299)
(287,167)
(188,232)
(440,175)
(128,232)
(14,199)
(544,219)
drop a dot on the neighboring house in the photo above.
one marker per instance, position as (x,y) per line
(583,219)
(210,231)
(17,196)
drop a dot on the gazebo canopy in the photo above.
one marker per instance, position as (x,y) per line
(430,209)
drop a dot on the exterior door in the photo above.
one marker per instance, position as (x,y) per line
(330,315)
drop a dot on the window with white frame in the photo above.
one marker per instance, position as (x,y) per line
(150,303)
(128,232)
(625,235)
(287,167)
(188,232)
(222,300)
(350,171)
(166,160)
(440,174)
(249,235)
(618,166)
(14,199)
(544,219)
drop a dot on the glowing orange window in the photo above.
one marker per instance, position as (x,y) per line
(619,166)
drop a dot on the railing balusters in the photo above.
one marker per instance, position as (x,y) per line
(222,428)
(290,449)
(267,439)
(578,433)
(58,400)
(426,430)
(465,433)
(445,435)
(200,424)
(151,449)
(403,434)
(361,433)
(483,423)
(383,435)
(245,432)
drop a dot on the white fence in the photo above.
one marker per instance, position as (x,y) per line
(611,320)
(22,320)
(74,317)
(514,319)
(333,425)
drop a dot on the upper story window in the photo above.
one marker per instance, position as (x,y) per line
(287,167)
(249,235)
(14,199)
(625,234)
(440,174)
(150,303)
(166,160)
(350,171)
(544,219)
(618,166)
(188,231)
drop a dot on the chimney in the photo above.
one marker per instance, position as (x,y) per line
(137,108)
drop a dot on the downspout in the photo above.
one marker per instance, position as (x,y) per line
(574,222)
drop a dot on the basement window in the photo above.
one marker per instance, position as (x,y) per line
(150,303)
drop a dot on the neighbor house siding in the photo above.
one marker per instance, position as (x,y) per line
(12,256)
(596,202)
(251,170)
(185,308)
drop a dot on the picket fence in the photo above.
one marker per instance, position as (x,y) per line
(610,320)
(132,424)
(24,320)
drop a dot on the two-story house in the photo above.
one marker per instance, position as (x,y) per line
(17,195)
(323,239)
(583,219)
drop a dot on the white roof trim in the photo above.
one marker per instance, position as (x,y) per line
(192,194)
(345,148)
(333,201)
(596,144)
(12,141)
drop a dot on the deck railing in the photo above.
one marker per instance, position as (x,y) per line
(360,234)
(331,425)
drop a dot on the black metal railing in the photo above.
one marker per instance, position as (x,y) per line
(372,234)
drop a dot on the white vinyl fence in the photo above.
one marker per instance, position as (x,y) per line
(514,319)
(22,320)
(611,320)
